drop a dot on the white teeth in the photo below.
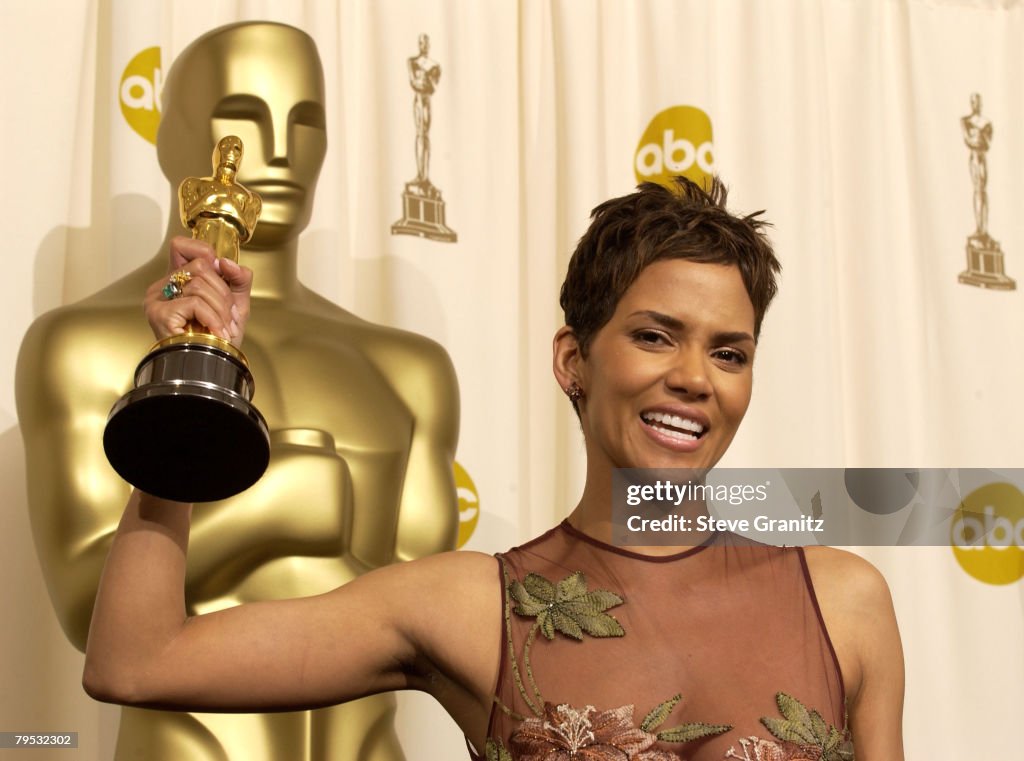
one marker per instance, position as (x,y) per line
(675,421)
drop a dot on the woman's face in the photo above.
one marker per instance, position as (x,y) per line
(668,379)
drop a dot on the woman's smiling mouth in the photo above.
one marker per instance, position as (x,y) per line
(677,430)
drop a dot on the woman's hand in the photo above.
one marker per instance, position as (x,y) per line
(216,294)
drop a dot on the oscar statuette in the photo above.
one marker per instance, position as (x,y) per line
(985,258)
(188,431)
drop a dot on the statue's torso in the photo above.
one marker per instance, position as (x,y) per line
(324,513)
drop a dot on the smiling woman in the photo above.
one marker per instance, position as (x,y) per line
(728,649)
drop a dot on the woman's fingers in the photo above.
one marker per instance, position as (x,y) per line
(238,280)
(202,288)
(185,250)
(170,316)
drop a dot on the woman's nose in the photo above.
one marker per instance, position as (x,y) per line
(688,374)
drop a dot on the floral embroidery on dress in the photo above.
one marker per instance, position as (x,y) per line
(801,735)
(567,733)
(567,607)
(496,751)
(585,734)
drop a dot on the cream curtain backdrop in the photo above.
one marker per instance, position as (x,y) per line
(840,117)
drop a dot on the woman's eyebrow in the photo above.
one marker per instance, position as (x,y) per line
(666,321)
(673,323)
(733,337)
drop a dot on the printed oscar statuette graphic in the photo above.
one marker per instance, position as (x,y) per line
(985,265)
(188,431)
(422,205)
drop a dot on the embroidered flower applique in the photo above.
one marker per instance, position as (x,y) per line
(801,735)
(567,607)
(566,733)
(585,734)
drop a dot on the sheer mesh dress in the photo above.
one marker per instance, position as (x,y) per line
(716,652)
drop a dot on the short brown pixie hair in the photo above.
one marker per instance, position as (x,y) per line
(653,223)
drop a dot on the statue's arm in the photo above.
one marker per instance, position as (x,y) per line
(422,375)
(68,377)
(64,388)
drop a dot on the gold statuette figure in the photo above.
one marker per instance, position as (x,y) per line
(217,209)
(197,380)
(985,265)
(363,418)
(422,205)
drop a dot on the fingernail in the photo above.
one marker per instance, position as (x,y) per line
(234,312)
(234,328)
(216,264)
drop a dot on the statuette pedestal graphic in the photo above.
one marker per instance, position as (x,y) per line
(985,267)
(423,213)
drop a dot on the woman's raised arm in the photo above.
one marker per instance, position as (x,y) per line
(387,630)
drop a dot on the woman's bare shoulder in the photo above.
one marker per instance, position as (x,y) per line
(435,592)
(468,566)
(456,581)
(846,581)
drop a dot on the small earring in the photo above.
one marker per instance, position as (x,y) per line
(574,392)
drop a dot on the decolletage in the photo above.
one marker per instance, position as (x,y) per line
(716,652)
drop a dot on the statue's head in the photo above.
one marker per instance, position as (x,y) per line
(263,82)
(424,42)
(975,103)
(228,154)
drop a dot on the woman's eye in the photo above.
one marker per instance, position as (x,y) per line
(649,337)
(731,356)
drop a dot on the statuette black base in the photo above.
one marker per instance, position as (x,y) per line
(188,431)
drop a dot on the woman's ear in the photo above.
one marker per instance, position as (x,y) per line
(567,359)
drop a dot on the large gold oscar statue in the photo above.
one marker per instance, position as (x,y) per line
(363,418)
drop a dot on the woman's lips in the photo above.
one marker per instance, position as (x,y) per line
(677,433)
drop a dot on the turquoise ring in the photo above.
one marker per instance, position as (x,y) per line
(176,285)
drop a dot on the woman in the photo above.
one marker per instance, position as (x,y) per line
(567,647)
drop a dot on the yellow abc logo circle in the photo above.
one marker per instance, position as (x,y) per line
(469,504)
(139,93)
(678,141)
(987,533)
